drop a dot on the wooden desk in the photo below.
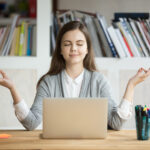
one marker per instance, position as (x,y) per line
(116,140)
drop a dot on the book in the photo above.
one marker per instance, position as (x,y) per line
(143,35)
(134,28)
(6,48)
(124,46)
(64,18)
(33,53)
(17,41)
(78,16)
(103,24)
(133,37)
(32,8)
(24,48)
(128,37)
(103,41)
(12,49)
(93,35)
(116,41)
(4,40)
(131,15)
(52,39)
(145,30)
(123,35)
(2,33)
(129,49)
(21,42)
(29,41)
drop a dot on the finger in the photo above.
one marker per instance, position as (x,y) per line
(142,69)
(0,71)
(1,80)
(142,72)
(3,74)
(147,73)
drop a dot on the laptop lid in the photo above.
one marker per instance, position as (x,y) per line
(74,117)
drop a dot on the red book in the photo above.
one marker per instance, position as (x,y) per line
(32,8)
(129,49)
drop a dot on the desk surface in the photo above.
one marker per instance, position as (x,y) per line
(116,140)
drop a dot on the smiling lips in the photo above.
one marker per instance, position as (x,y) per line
(73,55)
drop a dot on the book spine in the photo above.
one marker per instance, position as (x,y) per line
(134,38)
(28,42)
(32,8)
(144,49)
(116,42)
(113,50)
(17,41)
(143,35)
(22,31)
(120,37)
(129,49)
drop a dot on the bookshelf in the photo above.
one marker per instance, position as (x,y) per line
(42,52)
(117,70)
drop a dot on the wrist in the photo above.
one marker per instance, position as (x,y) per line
(12,88)
(131,85)
(129,91)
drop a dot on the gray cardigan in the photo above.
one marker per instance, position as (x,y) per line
(94,84)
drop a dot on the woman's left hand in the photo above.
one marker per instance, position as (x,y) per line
(140,76)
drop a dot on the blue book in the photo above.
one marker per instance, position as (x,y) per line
(29,42)
(103,25)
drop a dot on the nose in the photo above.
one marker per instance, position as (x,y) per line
(74,47)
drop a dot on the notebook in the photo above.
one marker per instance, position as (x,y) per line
(75,118)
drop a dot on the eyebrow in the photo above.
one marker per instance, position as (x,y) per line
(76,41)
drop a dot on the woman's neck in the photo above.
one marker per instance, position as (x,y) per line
(74,71)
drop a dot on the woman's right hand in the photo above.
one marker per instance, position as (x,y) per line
(5,81)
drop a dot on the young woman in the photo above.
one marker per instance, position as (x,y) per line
(73,74)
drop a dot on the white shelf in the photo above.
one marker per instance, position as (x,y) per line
(102,63)
(5,21)
(123,63)
(25,62)
(18,62)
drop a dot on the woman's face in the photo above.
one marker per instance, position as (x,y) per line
(74,47)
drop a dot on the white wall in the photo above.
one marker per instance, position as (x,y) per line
(106,7)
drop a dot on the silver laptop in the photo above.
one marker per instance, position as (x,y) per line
(74,118)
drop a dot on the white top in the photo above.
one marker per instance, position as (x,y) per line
(73,90)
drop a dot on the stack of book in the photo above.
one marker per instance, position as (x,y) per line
(130,33)
(128,36)
(18,38)
(96,25)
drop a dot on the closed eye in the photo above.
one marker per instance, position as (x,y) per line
(80,44)
(67,44)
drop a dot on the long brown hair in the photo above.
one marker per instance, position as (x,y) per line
(58,62)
